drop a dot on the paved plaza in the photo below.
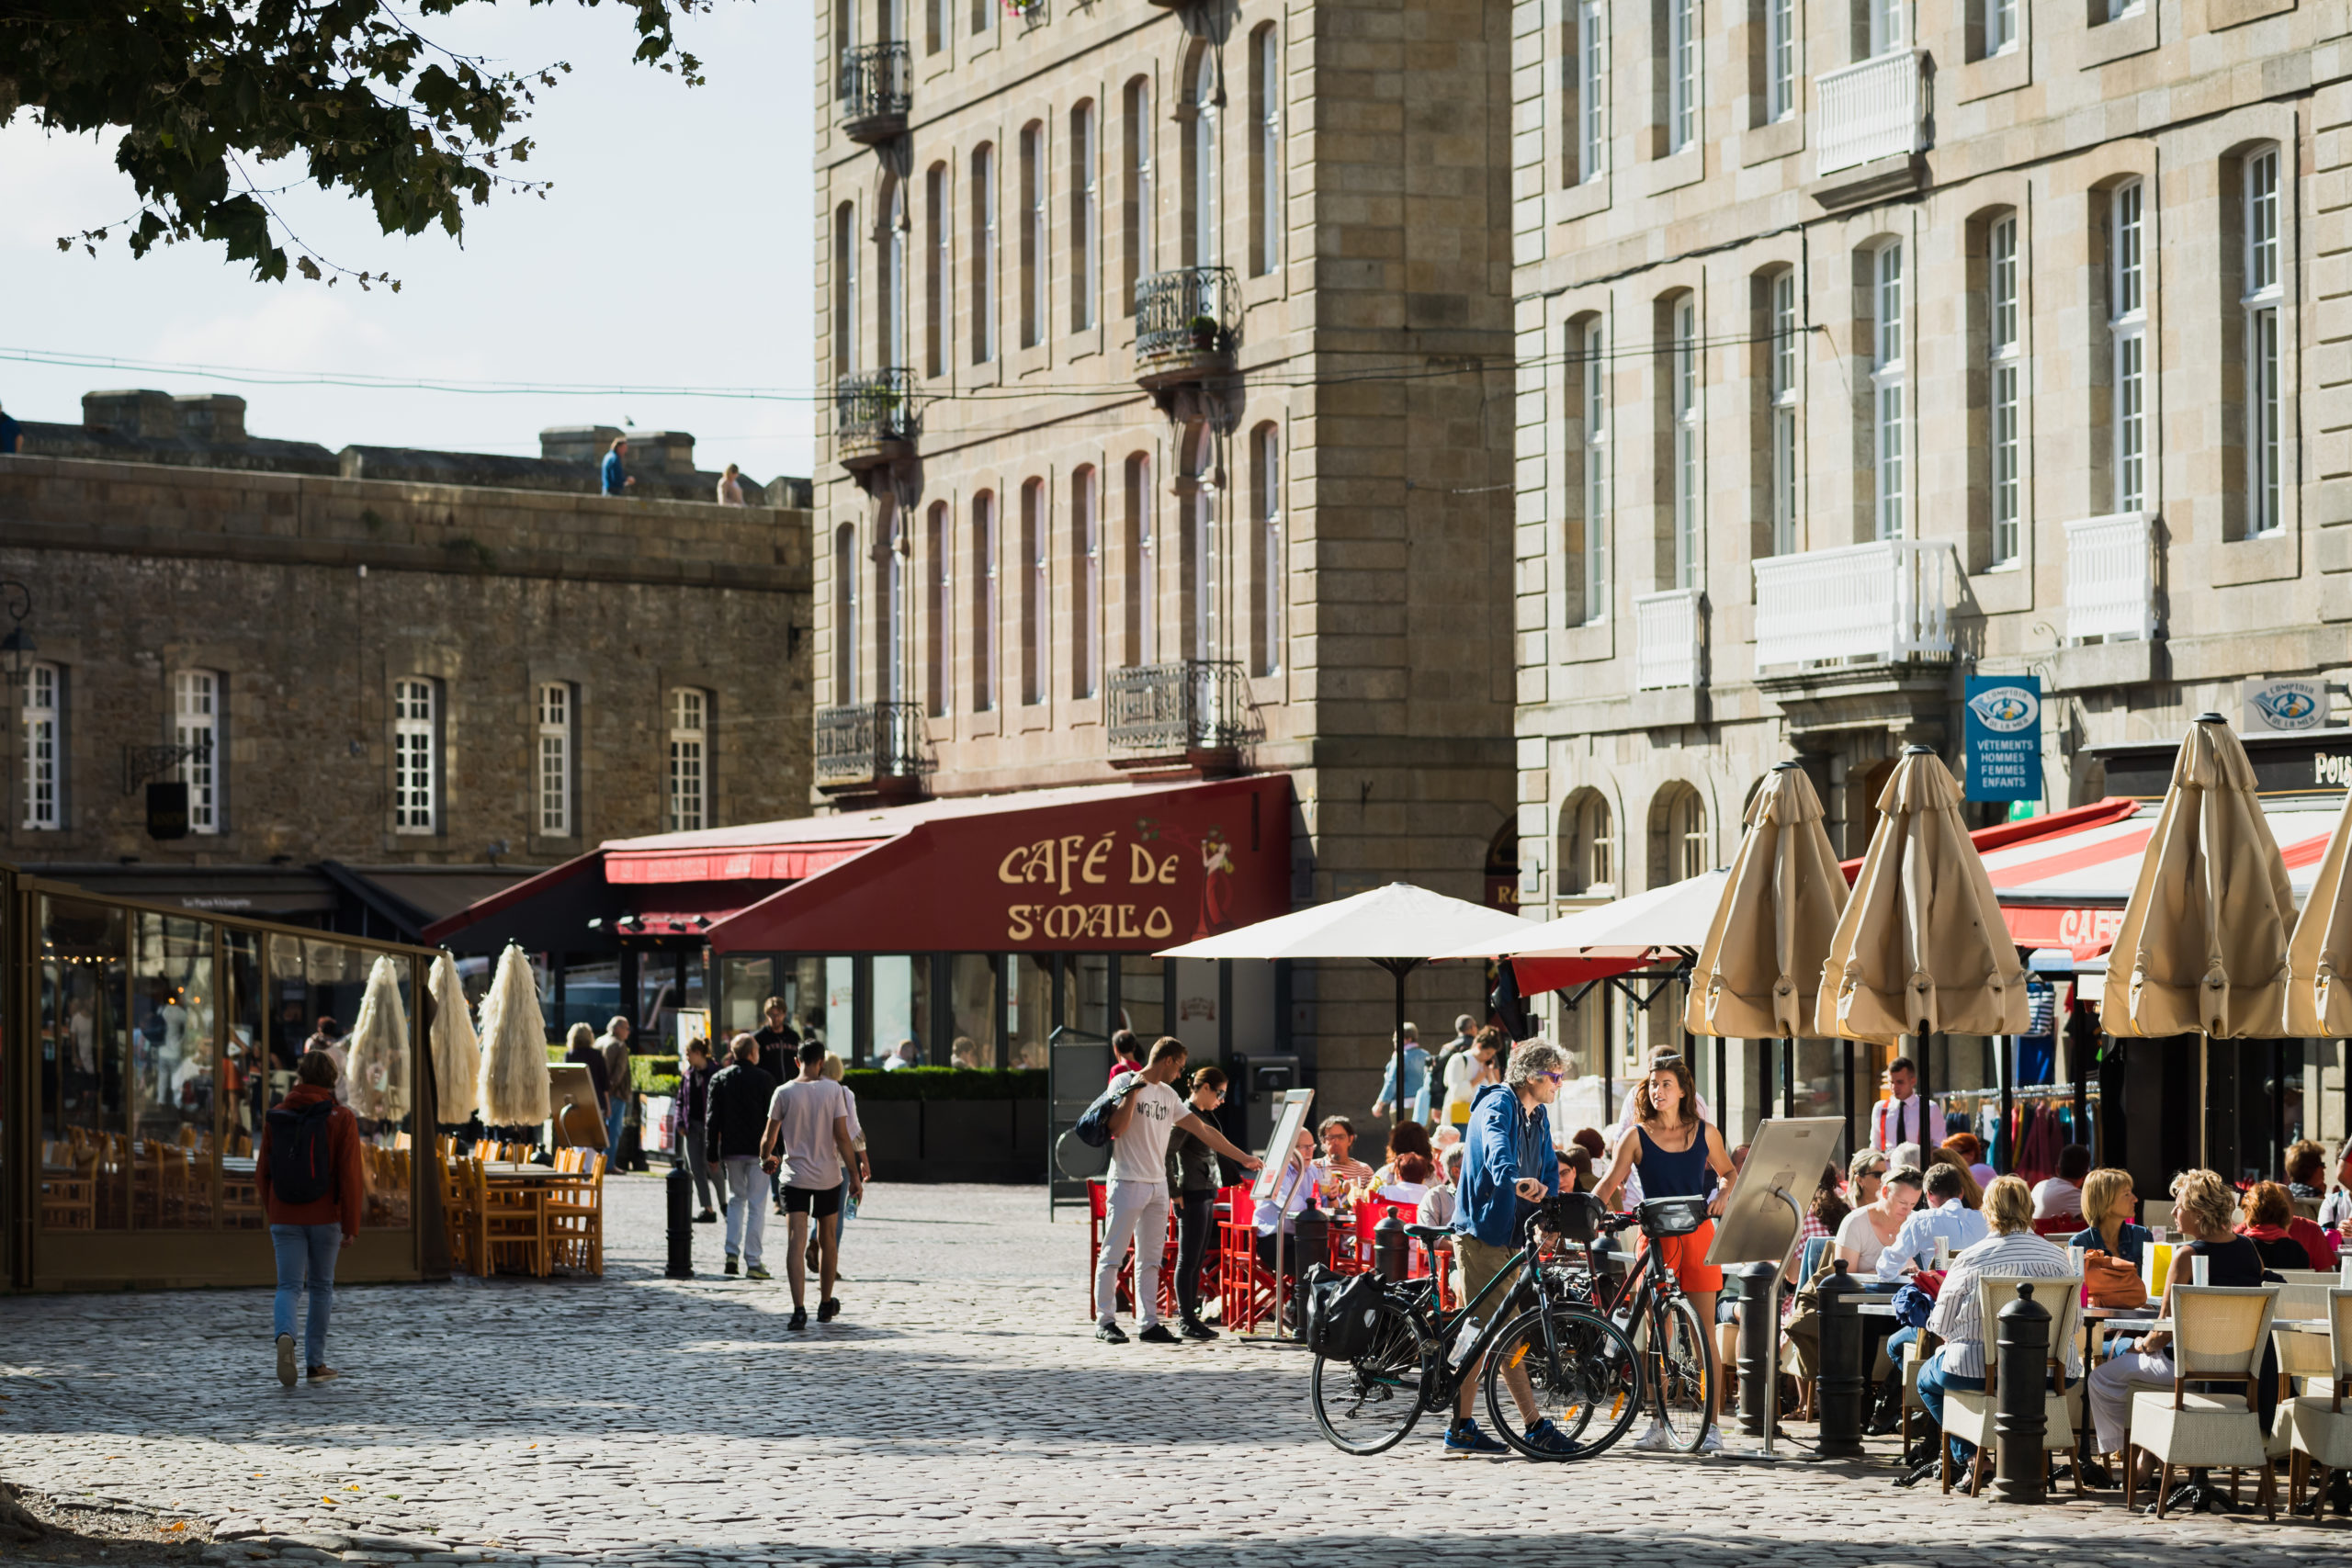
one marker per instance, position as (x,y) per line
(958,1414)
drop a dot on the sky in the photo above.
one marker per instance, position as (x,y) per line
(673,252)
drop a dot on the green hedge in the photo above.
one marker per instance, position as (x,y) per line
(948,1083)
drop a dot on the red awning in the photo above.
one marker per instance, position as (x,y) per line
(1536,976)
(757,863)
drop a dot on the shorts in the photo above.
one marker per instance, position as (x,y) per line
(819,1200)
(1686,1255)
(1480,1264)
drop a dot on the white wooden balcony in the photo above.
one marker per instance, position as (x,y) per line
(2112,577)
(1868,110)
(1889,602)
(1669,640)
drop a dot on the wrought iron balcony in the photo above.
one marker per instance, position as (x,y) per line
(877,91)
(870,746)
(1188,325)
(875,420)
(1195,709)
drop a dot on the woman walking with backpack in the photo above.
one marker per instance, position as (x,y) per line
(312,1191)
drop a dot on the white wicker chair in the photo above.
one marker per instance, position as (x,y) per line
(2219,1335)
(2315,1430)
(1968,1415)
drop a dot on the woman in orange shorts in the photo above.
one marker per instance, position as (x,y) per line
(1679,1154)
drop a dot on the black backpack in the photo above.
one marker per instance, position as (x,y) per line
(1093,1126)
(301,1153)
(1342,1310)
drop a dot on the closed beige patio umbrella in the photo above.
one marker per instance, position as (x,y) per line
(1921,948)
(2318,955)
(1759,971)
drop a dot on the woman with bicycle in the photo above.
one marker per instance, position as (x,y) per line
(1678,1153)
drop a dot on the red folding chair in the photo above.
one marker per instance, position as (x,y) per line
(1245,1286)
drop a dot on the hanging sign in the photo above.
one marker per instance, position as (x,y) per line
(2003,736)
(2284,706)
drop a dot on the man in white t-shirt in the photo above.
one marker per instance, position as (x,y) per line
(1138,1206)
(807,1141)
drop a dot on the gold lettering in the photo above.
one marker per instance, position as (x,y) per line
(1017,927)
(1127,921)
(1098,919)
(1140,865)
(1168,872)
(1054,923)
(1097,854)
(1069,845)
(1004,872)
(1041,861)
(1157,924)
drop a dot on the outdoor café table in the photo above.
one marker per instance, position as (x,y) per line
(527,1187)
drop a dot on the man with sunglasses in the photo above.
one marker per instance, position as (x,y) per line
(1508,1168)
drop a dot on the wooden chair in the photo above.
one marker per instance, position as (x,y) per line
(2219,1335)
(575,1209)
(2313,1430)
(514,1226)
(1968,1415)
(68,1187)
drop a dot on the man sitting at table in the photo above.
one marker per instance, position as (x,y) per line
(1944,1217)
(2060,1197)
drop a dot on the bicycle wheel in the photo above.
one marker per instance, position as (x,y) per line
(1367,1404)
(1680,1366)
(1589,1401)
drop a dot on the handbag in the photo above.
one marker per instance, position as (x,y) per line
(2112,1282)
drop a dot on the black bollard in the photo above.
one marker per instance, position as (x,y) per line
(1843,1376)
(1759,1333)
(682,1225)
(1388,1244)
(2021,1408)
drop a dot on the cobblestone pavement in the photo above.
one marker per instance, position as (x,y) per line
(957,1413)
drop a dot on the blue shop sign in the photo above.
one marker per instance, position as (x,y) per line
(2003,736)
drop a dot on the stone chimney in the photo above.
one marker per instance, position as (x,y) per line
(669,452)
(576,442)
(212,417)
(149,416)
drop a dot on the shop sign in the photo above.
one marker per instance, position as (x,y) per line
(1119,886)
(2283,707)
(2004,736)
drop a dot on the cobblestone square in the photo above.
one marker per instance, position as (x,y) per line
(958,1413)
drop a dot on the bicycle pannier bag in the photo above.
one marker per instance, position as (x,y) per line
(1342,1310)
(1672,1216)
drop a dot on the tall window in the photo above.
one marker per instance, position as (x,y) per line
(1692,851)
(1034,608)
(845,629)
(689,756)
(1592,393)
(1143,563)
(892,252)
(984,253)
(1266,168)
(938,611)
(1085,220)
(42,718)
(1205,239)
(2007,374)
(196,723)
(1681,74)
(845,290)
(1086,587)
(1589,849)
(1886,27)
(936,265)
(983,16)
(554,770)
(1266,514)
(1779,60)
(1782,359)
(2263,295)
(1206,558)
(1141,197)
(1886,387)
(1033,235)
(416,763)
(1684,370)
(891,657)
(1592,89)
(985,603)
(2000,26)
(2127,329)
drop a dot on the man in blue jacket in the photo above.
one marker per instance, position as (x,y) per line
(1508,1168)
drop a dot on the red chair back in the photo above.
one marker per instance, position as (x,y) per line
(2062,1227)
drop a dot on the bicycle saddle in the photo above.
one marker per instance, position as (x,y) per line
(1430,1234)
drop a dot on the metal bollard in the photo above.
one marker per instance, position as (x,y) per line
(1759,1334)
(1842,1373)
(1388,1243)
(2020,1408)
(681,1190)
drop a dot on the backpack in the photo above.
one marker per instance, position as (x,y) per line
(1093,1128)
(301,1153)
(1342,1310)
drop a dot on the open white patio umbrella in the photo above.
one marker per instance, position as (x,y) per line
(1667,922)
(515,1046)
(377,1059)
(1399,926)
(456,1053)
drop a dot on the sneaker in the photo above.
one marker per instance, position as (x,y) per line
(757,1272)
(1111,1334)
(323,1374)
(829,1309)
(285,1360)
(1713,1443)
(1157,1335)
(1658,1440)
(731,1265)
(1547,1438)
(1193,1328)
(800,1318)
(1464,1437)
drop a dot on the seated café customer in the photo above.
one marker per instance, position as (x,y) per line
(1868,1231)
(1971,1150)
(2284,1241)
(1829,1211)
(1865,1172)
(1341,1169)
(1405,1138)
(2109,1204)
(1945,1215)
(1958,1318)
(1293,1190)
(2203,1206)
(2060,1197)
(2336,1207)
(1576,1169)
(1412,1183)
(1437,1202)
(2307,1170)
(1972,1191)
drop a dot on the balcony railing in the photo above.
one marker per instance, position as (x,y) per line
(869,743)
(1189,706)
(875,419)
(2112,577)
(1869,109)
(1889,602)
(1187,322)
(876,90)
(1669,640)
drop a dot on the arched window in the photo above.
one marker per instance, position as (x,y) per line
(1085,220)
(845,615)
(985,603)
(1140,199)
(1034,606)
(1588,846)
(891,255)
(1266,550)
(984,253)
(1680,846)
(845,290)
(1142,563)
(938,610)
(1266,166)
(1086,585)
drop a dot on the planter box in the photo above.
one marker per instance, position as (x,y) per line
(956,1140)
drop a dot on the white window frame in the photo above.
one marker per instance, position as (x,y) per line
(1270,151)
(1269,476)
(2005,337)
(940,541)
(689,772)
(893,652)
(416,755)
(1086,531)
(1208,585)
(1033,329)
(553,769)
(989,612)
(2265,298)
(1038,608)
(2119,9)
(1779,60)
(2127,335)
(1594,376)
(1147,193)
(985,321)
(1208,220)
(1682,75)
(1146,568)
(1888,401)
(196,723)
(1783,389)
(41,731)
(895,292)
(1888,32)
(1088,241)
(847,609)
(1684,372)
(2000,27)
(1593,90)
(938,212)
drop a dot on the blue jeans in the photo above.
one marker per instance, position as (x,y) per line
(1934,1383)
(613,1119)
(306,1257)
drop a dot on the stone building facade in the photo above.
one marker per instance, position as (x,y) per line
(1172,430)
(1869,344)
(384,675)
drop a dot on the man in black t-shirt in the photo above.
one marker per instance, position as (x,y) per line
(779,1044)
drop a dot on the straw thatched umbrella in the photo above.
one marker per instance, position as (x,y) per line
(456,1053)
(1921,947)
(377,1059)
(514,1046)
(1759,972)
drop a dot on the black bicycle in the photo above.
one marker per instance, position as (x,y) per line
(1678,1353)
(1562,1381)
